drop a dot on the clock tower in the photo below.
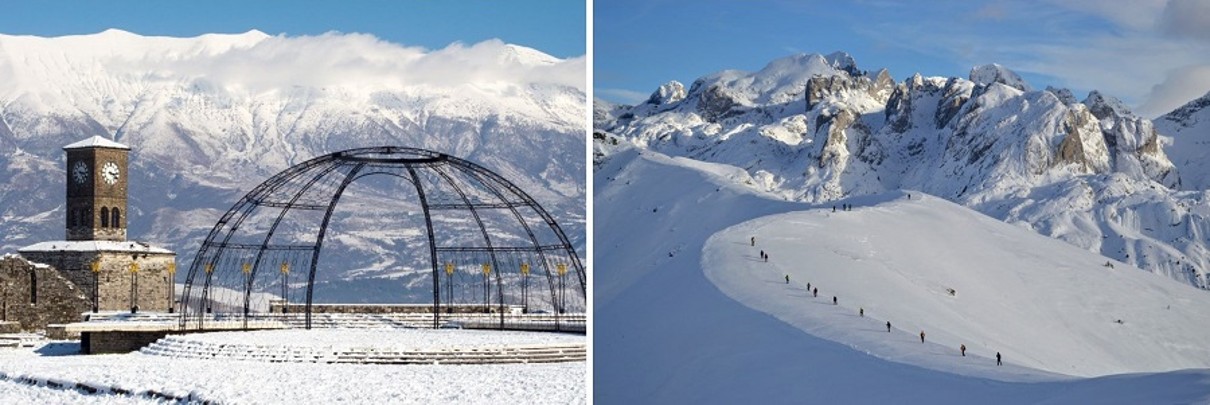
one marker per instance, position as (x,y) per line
(96,190)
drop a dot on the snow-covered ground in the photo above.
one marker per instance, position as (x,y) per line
(233,381)
(21,393)
(684,311)
(1045,305)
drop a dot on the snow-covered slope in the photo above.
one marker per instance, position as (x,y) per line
(212,116)
(816,129)
(1189,127)
(686,312)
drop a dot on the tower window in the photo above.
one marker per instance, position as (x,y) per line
(104,217)
(33,287)
(71,217)
(86,219)
(117,218)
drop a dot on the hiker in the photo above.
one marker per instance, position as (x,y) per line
(808,286)
(833,300)
(753,241)
(787,279)
(998,359)
(962,349)
(909,196)
(861,312)
(815,292)
(921,336)
(888,326)
(766,257)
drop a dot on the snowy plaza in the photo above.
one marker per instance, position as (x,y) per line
(52,372)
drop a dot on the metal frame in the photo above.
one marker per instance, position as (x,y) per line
(318,184)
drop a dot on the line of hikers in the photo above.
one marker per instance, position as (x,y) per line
(860,310)
(843,207)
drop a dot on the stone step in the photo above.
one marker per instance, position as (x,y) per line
(183,348)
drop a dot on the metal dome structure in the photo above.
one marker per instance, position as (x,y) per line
(470,228)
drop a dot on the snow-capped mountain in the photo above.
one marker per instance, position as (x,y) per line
(816,128)
(212,116)
(1189,127)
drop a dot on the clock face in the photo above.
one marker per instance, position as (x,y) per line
(110,173)
(79,172)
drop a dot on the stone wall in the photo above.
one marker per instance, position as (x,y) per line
(36,295)
(114,282)
(276,306)
(111,342)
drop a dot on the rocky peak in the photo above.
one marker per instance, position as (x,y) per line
(714,103)
(994,73)
(1064,95)
(955,96)
(1105,106)
(843,62)
(820,87)
(668,94)
(1184,113)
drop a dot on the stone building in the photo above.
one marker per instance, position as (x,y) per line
(128,274)
(95,260)
(34,295)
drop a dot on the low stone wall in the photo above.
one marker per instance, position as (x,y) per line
(136,337)
(35,295)
(58,331)
(118,341)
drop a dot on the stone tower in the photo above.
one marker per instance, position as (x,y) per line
(113,273)
(96,190)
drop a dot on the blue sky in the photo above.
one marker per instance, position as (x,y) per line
(1153,54)
(553,26)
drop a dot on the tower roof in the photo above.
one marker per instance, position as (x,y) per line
(96,142)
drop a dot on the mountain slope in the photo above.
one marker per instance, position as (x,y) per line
(210,117)
(816,129)
(1189,127)
(685,312)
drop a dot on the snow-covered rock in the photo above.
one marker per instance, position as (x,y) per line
(994,73)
